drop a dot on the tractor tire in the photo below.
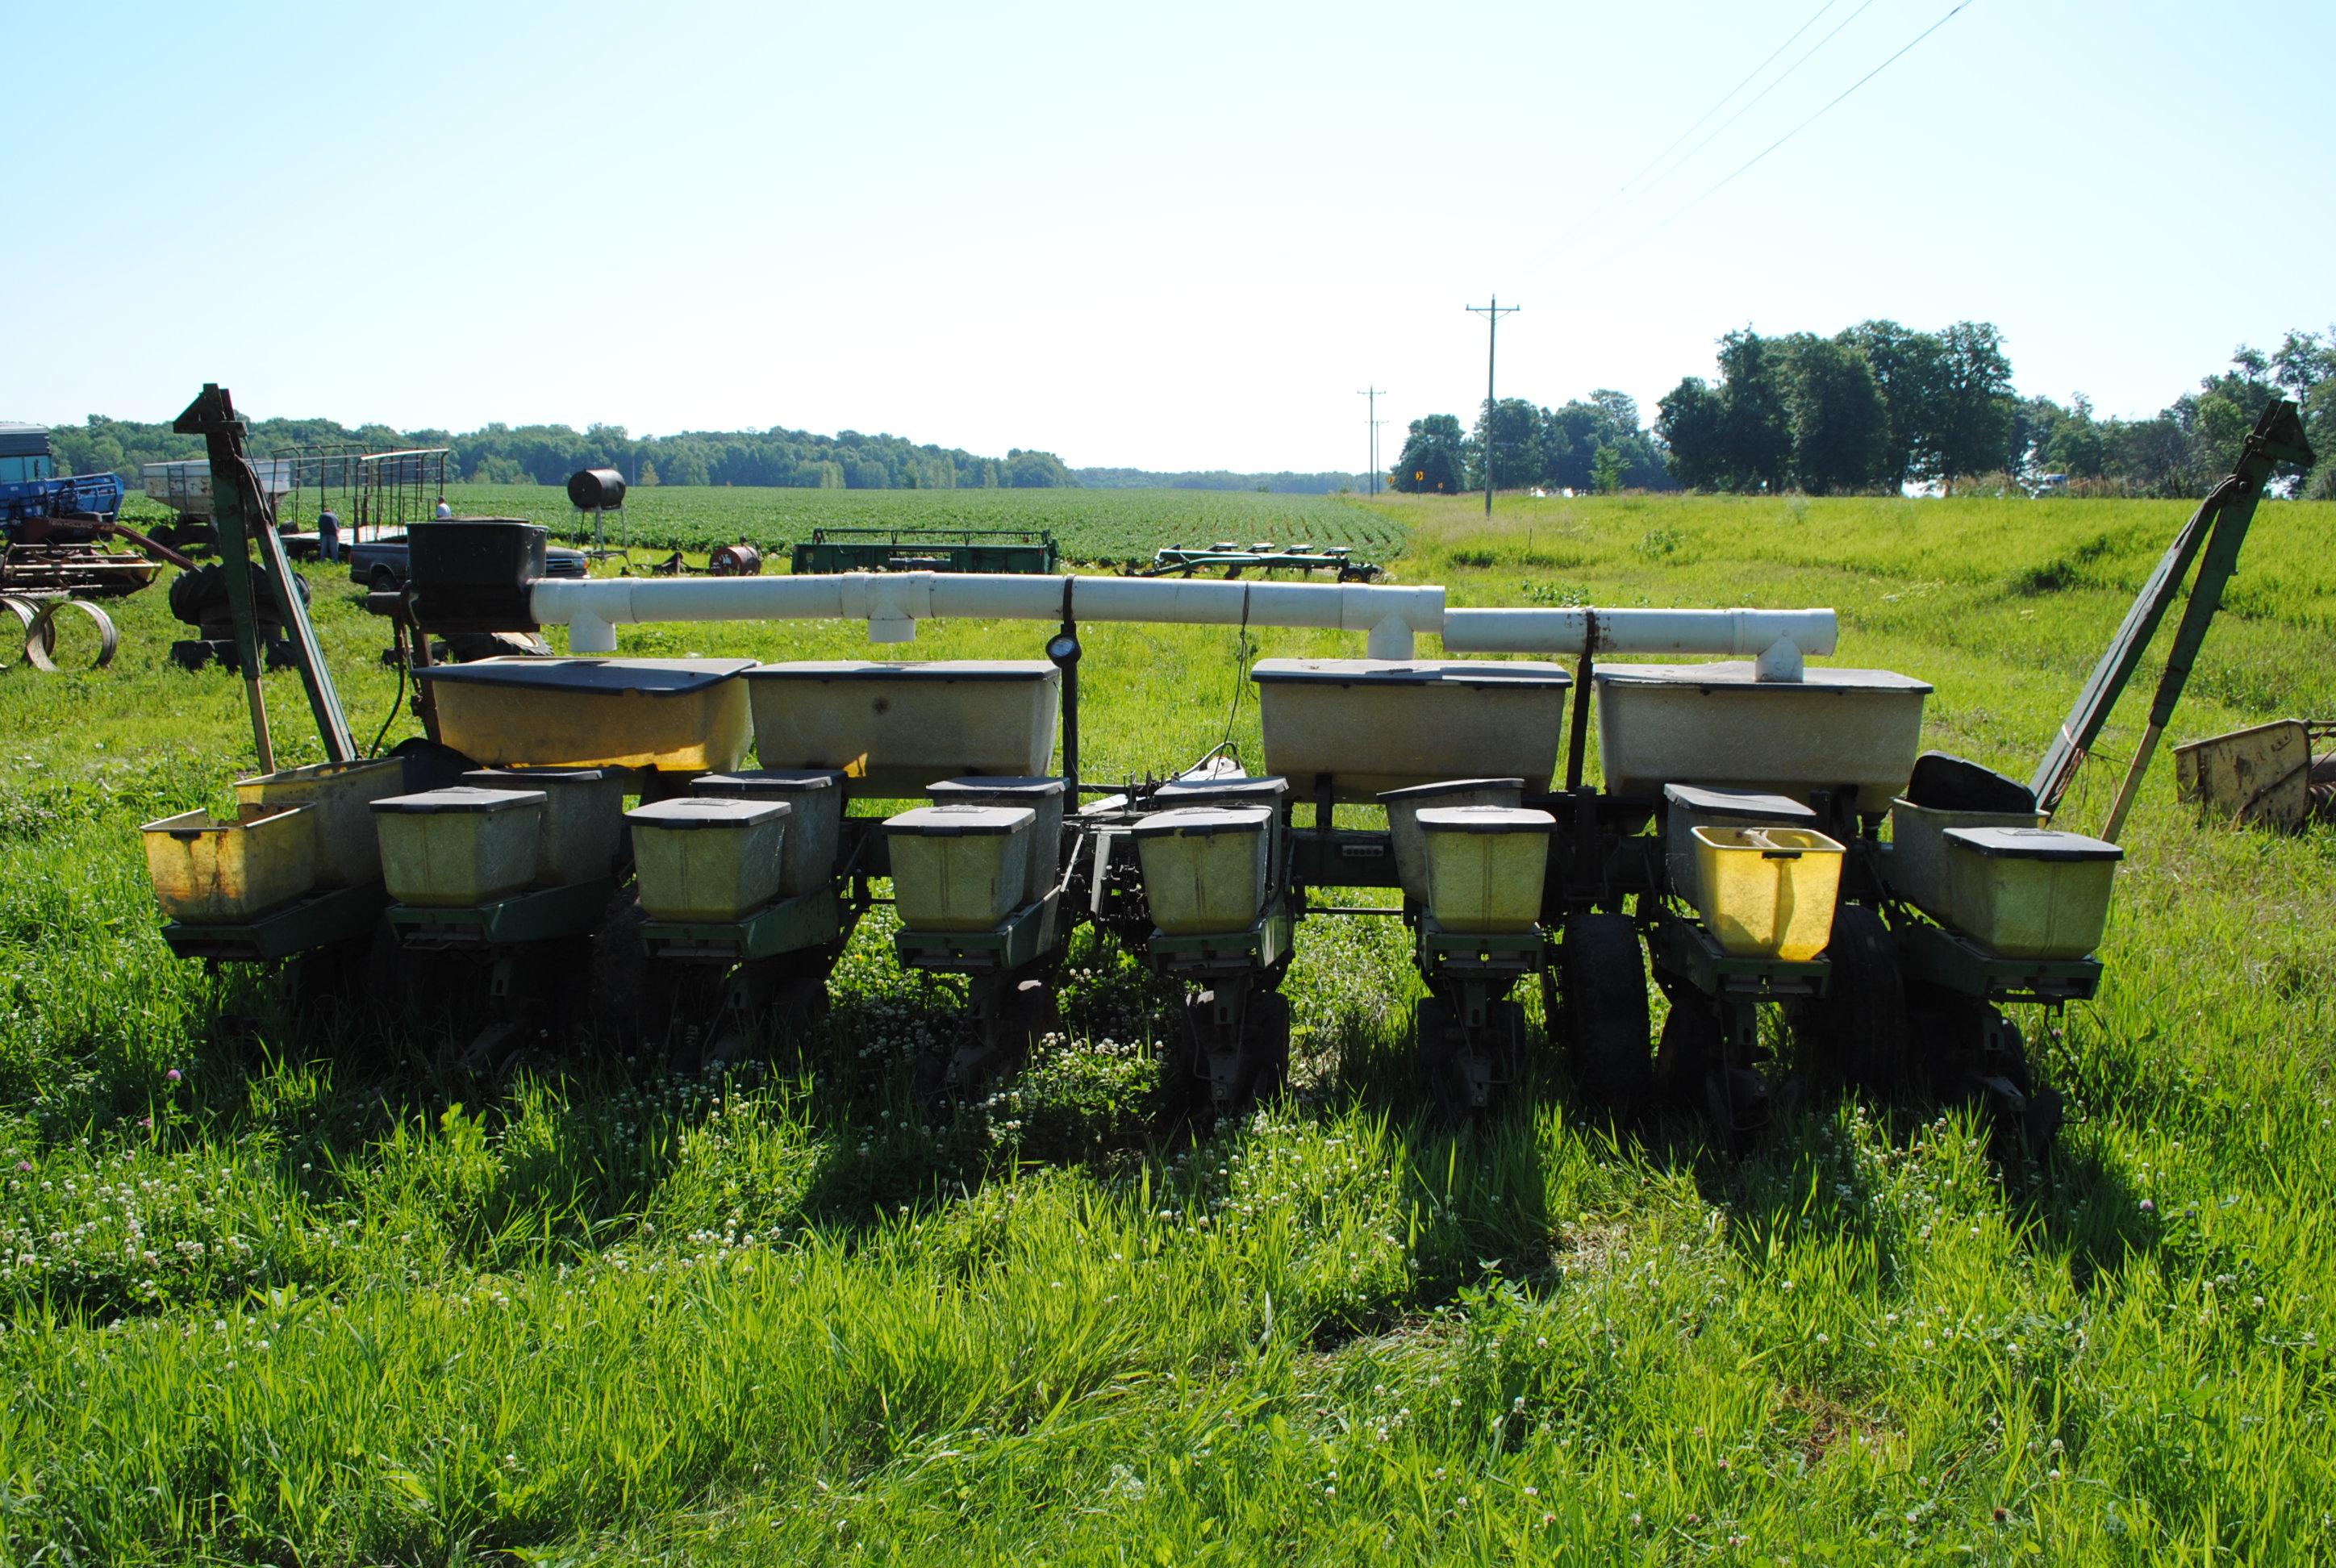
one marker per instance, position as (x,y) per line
(1602,993)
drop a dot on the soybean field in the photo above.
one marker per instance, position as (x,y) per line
(1104,527)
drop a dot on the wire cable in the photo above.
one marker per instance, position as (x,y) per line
(1624,189)
(1752,103)
(1240,669)
(1728,179)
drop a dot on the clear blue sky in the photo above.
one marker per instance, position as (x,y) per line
(1174,237)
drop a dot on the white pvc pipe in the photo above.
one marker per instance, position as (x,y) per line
(893,602)
(1779,640)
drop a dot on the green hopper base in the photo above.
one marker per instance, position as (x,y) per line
(1955,963)
(787,926)
(1261,946)
(317,920)
(1013,943)
(540,915)
(1685,948)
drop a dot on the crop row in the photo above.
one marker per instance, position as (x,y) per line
(1092,527)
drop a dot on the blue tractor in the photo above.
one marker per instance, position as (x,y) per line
(51,524)
(31,486)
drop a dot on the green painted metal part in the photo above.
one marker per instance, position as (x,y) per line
(2277,437)
(1263,945)
(540,915)
(1511,953)
(1684,949)
(1341,857)
(1013,943)
(245,522)
(1942,957)
(318,921)
(967,549)
(788,926)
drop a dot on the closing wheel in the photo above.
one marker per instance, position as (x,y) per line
(1689,1050)
(26,613)
(1222,1076)
(1858,1032)
(405,984)
(1603,994)
(628,1000)
(41,636)
(1436,1038)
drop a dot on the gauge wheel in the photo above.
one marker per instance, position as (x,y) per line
(1858,1033)
(1603,987)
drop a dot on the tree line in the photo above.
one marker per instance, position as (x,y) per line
(1872,409)
(1592,443)
(548,454)
(1283,482)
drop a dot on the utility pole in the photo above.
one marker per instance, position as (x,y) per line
(1374,394)
(1492,314)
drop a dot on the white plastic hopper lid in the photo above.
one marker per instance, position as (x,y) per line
(1002,786)
(960,822)
(1749,804)
(1485,820)
(648,676)
(460,798)
(942,669)
(1428,791)
(1199,821)
(1224,787)
(2033,844)
(512,778)
(1736,675)
(706,811)
(1452,672)
(757,782)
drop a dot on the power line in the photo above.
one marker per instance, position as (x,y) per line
(1753,102)
(1624,189)
(1713,191)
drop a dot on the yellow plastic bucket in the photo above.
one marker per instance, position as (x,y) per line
(1768,892)
(208,872)
(348,852)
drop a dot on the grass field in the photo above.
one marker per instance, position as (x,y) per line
(290,1288)
(1096,527)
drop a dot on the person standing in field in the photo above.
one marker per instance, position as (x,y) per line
(445,511)
(328,535)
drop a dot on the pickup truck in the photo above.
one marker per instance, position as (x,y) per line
(380,564)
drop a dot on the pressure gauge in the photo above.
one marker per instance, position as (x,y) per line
(1063,648)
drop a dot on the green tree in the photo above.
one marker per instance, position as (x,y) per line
(1755,423)
(1516,434)
(1692,420)
(648,478)
(1840,425)
(1905,365)
(2077,444)
(1431,460)
(1606,470)
(1967,414)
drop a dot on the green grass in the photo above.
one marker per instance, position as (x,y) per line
(324,1296)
